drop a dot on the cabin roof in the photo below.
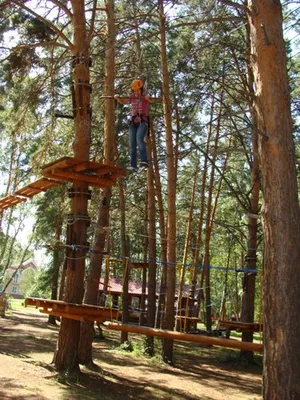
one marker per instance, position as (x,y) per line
(115,286)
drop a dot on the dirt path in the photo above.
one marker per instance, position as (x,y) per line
(27,344)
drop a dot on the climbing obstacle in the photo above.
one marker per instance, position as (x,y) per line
(66,169)
(69,169)
(79,312)
(240,326)
(27,192)
(167,334)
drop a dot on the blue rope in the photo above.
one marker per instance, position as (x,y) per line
(199,266)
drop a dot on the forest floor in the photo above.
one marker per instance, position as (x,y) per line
(27,344)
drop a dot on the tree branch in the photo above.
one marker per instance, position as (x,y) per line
(90,33)
(41,44)
(205,21)
(63,7)
(233,4)
(45,21)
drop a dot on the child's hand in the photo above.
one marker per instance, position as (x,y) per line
(147,98)
(117,97)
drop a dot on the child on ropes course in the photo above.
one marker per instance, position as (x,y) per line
(139,122)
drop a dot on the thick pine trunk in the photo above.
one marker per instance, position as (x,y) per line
(66,356)
(199,242)
(125,254)
(162,229)
(248,298)
(171,171)
(98,247)
(280,213)
(180,311)
(152,257)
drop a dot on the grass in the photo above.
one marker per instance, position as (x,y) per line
(18,305)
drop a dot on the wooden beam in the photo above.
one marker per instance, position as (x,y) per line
(241,326)
(68,176)
(209,340)
(64,162)
(61,308)
(76,317)
(10,201)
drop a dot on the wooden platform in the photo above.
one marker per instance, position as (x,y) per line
(240,326)
(10,201)
(69,169)
(27,192)
(66,169)
(41,185)
(79,312)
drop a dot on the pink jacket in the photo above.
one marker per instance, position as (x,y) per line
(139,106)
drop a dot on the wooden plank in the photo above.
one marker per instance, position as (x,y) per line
(67,176)
(100,169)
(10,201)
(74,316)
(209,340)
(36,187)
(63,162)
(72,308)
(241,326)
(68,169)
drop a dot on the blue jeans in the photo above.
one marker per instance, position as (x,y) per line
(137,133)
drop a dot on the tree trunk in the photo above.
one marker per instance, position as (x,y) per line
(280,213)
(171,248)
(56,267)
(162,228)
(186,249)
(152,259)
(66,356)
(143,318)
(125,254)
(248,297)
(199,242)
(98,247)
(210,215)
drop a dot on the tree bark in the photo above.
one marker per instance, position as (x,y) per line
(101,232)
(162,228)
(56,267)
(66,356)
(152,258)
(248,297)
(180,312)
(280,213)
(125,254)
(169,317)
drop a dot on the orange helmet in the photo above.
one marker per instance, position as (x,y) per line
(137,84)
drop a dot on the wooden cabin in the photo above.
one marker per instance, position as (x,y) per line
(115,289)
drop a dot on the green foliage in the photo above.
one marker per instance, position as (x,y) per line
(126,346)
(37,284)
